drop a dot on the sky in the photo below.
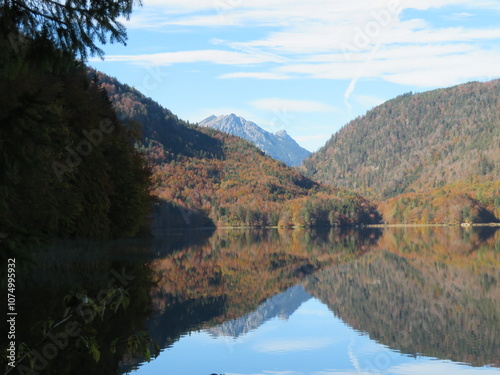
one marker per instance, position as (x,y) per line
(305,66)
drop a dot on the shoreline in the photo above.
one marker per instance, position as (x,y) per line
(359,226)
(462,225)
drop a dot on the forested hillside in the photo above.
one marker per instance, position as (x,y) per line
(463,202)
(416,142)
(206,177)
(432,157)
(68,167)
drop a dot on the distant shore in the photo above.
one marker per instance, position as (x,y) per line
(464,225)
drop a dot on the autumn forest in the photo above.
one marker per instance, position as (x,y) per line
(172,246)
(85,156)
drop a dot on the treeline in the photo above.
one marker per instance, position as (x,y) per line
(68,167)
(466,202)
(247,188)
(157,123)
(416,142)
(204,177)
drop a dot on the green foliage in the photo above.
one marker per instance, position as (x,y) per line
(84,307)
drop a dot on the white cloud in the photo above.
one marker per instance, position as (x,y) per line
(212,56)
(256,75)
(424,368)
(291,105)
(292,345)
(268,373)
(462,15)
(286,12)
(409,68)
(335,39)
(392,52)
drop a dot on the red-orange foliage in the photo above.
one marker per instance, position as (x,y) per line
(467,202)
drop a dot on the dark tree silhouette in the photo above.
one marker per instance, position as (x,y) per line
(75,26)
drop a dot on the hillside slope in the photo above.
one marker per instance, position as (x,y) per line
(203,176)
(67,166)
(416,143)
(279,146)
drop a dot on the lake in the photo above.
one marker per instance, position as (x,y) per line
(406,301)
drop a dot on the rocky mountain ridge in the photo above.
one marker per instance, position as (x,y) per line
(279,146)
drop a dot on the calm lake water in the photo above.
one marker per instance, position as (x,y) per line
(404,301)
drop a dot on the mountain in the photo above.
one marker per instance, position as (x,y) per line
(416,142)
(279,146)
(434,155)
(282,305)
(205,177)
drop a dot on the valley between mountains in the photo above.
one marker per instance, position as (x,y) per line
(85,156)
(428,158)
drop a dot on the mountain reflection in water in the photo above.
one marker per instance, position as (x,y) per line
(421,291)
(294,301)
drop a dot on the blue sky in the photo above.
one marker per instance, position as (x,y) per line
(306,66)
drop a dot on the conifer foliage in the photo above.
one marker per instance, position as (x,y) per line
(67,165)
(75,26)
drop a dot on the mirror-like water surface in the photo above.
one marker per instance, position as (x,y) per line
(394,301)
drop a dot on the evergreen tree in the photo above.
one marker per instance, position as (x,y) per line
(74,26)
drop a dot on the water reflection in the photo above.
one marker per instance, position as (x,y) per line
(56,338)
(281,306)
(234,271)
(421,291)
(296,301)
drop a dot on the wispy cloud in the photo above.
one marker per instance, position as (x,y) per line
(212,56)
(333,40)
(462,15)
(283,346)
(268,373)
(409,68)
(284,13)
(256,75)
